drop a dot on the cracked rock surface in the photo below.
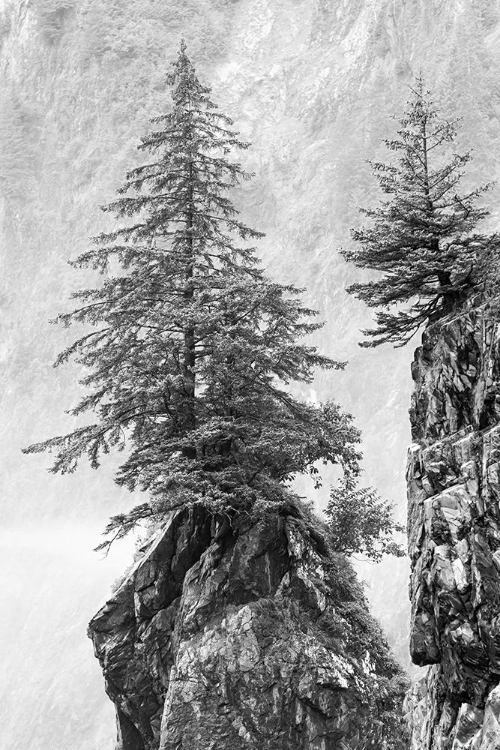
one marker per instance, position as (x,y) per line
(236,634)
(454,536)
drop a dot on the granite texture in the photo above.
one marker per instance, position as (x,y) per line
(237,633)
(454,535)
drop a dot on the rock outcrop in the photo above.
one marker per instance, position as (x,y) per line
(454,536)
(235,634)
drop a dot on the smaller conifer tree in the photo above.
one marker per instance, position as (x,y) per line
(191,348)
(422,238)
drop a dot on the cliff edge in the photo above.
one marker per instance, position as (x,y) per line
(454,536)
(232,632)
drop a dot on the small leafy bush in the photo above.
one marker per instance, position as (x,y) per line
(361,522)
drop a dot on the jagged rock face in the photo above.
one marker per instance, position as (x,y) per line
(239,634)
(454,536)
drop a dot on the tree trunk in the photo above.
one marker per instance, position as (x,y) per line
(189,421)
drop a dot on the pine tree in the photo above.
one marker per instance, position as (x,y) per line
(422,238)
(191,348)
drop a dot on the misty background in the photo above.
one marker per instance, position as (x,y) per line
(313,85)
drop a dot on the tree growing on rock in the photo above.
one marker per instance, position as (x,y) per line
(360,522)
(422,238)
(189,348)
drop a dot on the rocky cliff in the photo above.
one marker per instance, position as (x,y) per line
(454,533)
(238,633)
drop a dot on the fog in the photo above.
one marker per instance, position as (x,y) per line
(313,84)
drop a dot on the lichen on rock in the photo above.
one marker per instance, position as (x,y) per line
(238,632)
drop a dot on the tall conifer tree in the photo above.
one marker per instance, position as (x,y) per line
(422,237)
(192,347)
